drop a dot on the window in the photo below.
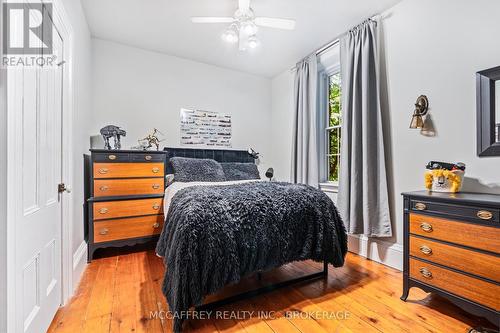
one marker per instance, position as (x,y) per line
(333,129)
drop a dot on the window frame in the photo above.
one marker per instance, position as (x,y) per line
(324,109)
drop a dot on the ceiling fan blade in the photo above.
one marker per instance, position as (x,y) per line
(278,23)
(207,19)
(243,5)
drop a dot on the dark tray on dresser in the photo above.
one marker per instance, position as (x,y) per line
(125,190)
(452,247)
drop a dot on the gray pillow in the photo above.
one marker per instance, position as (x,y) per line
(197,170)
(240,171)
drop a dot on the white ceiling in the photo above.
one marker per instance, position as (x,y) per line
(165,26)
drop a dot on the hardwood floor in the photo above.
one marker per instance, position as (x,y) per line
(121,292)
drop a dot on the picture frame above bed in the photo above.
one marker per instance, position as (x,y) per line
(200,128)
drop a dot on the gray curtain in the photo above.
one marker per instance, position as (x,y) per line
(363,199)
(305,157)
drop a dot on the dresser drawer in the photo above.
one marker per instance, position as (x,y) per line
(460,211)
(128,170)
(125,208)
(117,187)
(110,230)
(477,290)
(111,157)
(468,234)
(472,262)
(147,157)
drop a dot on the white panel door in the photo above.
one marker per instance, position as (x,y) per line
(38,209)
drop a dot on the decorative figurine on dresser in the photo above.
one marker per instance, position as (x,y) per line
(452,248)
(115,132)
(125,197)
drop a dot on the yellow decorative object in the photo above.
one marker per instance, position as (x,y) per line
(442,180)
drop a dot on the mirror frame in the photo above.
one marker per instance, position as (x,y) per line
(487,144)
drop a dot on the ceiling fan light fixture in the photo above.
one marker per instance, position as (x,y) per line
(249,27)
(253,42)
(231,34)
(244,25)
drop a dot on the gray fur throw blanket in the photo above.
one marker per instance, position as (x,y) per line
(215,235)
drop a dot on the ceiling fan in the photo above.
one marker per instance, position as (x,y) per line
(243,26)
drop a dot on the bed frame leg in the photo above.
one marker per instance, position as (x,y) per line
(325,269)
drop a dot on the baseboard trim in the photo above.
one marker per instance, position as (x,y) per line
(389,254)
(79,263)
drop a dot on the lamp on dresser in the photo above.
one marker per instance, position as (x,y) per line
(125,197)
(452,247)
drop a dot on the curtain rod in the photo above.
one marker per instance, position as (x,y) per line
(332,43)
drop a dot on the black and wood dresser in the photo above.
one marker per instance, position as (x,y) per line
(452,247)
(125,197)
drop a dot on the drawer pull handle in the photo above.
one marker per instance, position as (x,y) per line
(155,170)
(156,206)
(484,215)
(156,225)
(103,188)
(420,206)
(103,211)
(103,231)
(112,157)
(103,171)
(148,157)
(426,250)
(156,186)
(426,227)
(426,273)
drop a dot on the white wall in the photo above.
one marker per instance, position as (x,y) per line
(433,48)
(140,90)
(456,38)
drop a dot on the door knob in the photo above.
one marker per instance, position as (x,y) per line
(63,188)
(103,210)
(156,186)
(103,231)
(103,171)
(156,206)
(156,225)
(155,170)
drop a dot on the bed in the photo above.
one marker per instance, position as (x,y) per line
(222,223)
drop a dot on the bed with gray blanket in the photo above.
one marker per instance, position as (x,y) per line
(216,233)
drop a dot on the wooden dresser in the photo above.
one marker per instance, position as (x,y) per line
(452,247)
(125,197)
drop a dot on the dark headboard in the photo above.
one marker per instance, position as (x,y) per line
(217,154)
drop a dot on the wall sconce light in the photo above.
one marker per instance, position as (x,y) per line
(421,107)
